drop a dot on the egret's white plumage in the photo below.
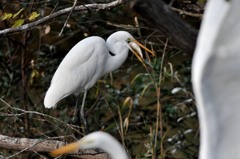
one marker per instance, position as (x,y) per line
(216,80)
(100,140)
(77,71)
(88,61)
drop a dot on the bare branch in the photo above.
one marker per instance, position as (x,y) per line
(41,145)
(180,11)
(69,15)
(38,145)
(61,12)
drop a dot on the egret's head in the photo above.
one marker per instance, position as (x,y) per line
(90,141)
(87,142)
(100,140)
(130,42)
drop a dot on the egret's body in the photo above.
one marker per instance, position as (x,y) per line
(99,140)
(88,61)
(85,63)
(216,80)
(74,74)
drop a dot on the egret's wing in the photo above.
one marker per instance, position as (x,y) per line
(79,70)
(216,80)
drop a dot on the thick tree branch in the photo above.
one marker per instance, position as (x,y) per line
(61,12)
(161,17)
(39,145)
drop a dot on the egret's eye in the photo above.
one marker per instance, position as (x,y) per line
(128,40)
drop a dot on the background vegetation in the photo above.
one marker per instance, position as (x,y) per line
(151,110)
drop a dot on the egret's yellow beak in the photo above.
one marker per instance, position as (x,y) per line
(143,47)
(136,50)
(73,147)
(134,46)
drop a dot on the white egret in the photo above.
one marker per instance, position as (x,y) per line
(216,80)
(99,140)
(88,61)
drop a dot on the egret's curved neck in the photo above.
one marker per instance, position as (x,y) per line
(120,51)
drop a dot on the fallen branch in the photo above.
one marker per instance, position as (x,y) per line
(43,145)
(61,12)
(26,144)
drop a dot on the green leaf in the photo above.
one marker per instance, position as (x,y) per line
(33,16)
(7,16)
(18,23)
(16,14)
